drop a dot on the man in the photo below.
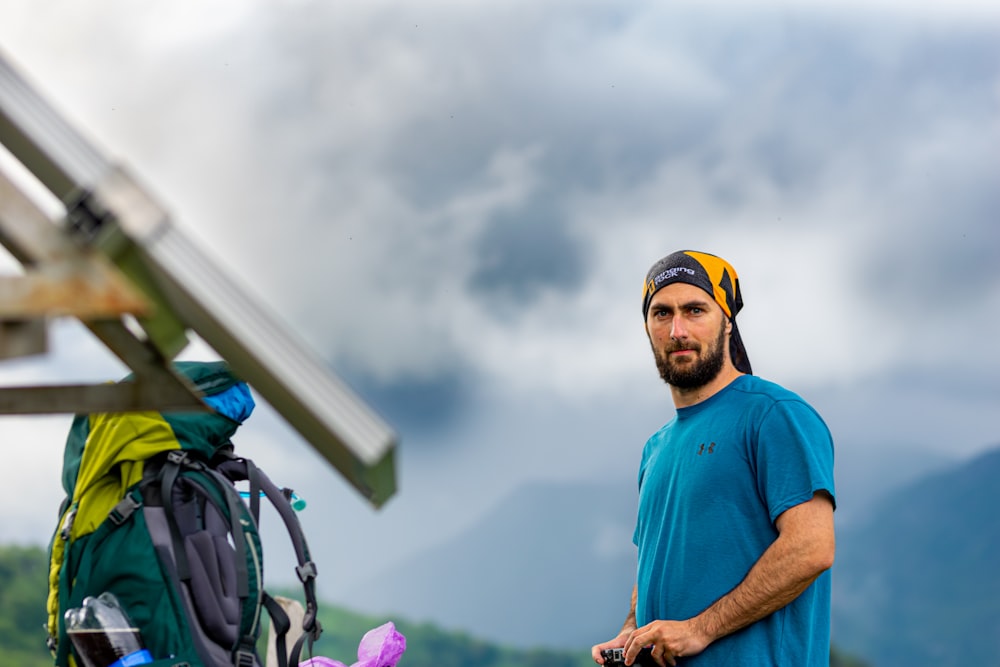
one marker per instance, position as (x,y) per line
(736,498)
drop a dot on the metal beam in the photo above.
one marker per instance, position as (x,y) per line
(42,139)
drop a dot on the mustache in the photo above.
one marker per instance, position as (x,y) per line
(678,346)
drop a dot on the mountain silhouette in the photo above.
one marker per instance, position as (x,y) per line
(916,583)
(553,565)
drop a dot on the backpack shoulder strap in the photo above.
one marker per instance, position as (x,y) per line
(240,469)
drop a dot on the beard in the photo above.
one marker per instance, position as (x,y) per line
(691,375)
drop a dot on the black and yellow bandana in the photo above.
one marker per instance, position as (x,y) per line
(710,273)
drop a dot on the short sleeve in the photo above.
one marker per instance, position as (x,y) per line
(794,456)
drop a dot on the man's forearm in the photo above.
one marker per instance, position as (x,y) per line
(768,587)
(630,624)
(781,574)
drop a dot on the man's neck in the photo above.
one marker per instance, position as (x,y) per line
(686,397)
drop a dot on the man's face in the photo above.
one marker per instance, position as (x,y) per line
(687,331)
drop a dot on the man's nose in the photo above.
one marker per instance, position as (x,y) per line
(677,329)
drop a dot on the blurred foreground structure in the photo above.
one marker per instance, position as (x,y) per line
(113,259)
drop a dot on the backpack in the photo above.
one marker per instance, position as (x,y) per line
(153,516)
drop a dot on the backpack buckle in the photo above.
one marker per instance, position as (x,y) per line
(67,527)
(244,658)
(177,456)
(120,513)
(306,572)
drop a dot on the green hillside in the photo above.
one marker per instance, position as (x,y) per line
(22,636)
(428,645)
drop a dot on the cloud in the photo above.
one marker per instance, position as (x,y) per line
(455,207)
(447,189)
(517,258)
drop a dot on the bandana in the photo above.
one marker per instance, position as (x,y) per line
(710,273)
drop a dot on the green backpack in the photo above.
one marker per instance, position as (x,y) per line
(153,516)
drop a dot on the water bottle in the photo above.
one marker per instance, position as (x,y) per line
(298,503)
(103,635)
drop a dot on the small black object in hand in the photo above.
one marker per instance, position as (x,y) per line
(615,657)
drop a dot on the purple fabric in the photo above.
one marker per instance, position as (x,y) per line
(380,647)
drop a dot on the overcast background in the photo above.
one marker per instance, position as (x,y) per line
(455,204)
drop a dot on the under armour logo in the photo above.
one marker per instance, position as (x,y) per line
(701,448)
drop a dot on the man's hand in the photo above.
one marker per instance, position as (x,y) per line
(669,640)
(623,635)
(617,642)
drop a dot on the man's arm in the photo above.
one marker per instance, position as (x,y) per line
(803,550)
(629,624)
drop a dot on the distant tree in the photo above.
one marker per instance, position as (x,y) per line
(839,659)
(23,589)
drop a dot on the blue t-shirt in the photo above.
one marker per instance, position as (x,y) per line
(711,484)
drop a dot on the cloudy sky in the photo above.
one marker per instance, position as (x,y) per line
(455,204)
